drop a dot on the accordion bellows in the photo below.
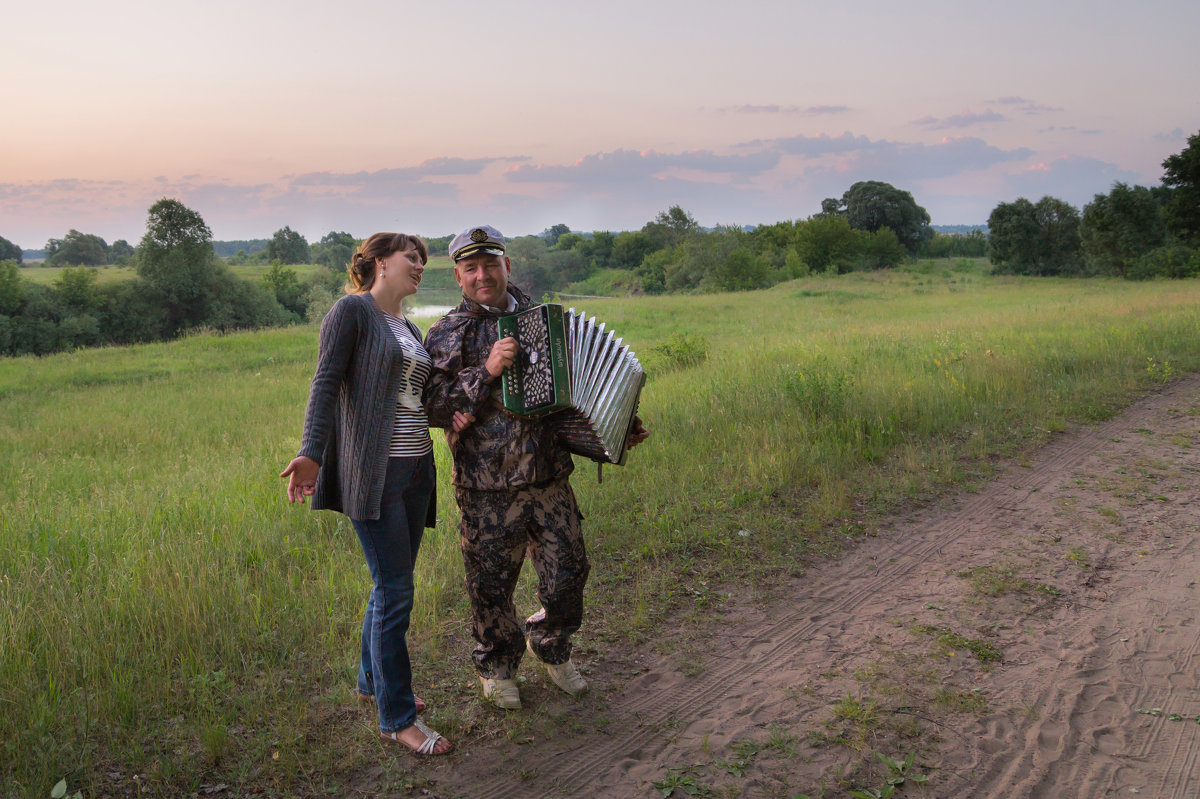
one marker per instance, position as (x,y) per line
(571,366)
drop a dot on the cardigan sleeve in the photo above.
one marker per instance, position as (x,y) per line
(335,351)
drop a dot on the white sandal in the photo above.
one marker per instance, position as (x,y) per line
(427,747)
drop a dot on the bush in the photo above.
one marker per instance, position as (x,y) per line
(682,351)
(794,267)
(741,270)
(882,249)
(654,267)
(240,304)
(35,336)
(320,300)
(132,312)
(79,331)
(827,244)
(1172,261)
(607,283)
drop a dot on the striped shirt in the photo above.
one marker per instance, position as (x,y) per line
(410,433)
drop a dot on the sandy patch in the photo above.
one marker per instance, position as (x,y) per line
(1077,571)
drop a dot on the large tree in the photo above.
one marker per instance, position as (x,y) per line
(1182,176)
(629,248)
(288,246)
(600,248)
(671,227)
(12,290)
(9,251)
(120,252)
(175,258)
(334,250)
(1119,227)
(78,249)
(1034,239)
(827,243)
(552,233)
(872,204)
(76,289)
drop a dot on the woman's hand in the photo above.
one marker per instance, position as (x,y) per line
(503,353)
(462,421)
(302,478)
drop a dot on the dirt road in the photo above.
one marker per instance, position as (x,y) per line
(1075,574)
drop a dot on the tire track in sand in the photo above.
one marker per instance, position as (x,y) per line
(804,636)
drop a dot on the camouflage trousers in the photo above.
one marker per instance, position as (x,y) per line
(498,528)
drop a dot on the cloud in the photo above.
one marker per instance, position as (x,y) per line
(434,167)
(964,120)
(813,110)
(821,144)
(900,160)
(950,156)
(1027,106)
(958,178)
(1075,179)
(1070,129)
(630,167)
(1170,136)
(41,210)
(952,164)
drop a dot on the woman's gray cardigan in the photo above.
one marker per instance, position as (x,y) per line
(352,408)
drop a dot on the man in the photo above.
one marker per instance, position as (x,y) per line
(511,480)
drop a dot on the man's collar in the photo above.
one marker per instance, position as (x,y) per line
(512,305)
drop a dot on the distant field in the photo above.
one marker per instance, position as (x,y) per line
(438,286)
(46,275)
(109,274)
(164,613)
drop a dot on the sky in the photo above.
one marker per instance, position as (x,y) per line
(432,117)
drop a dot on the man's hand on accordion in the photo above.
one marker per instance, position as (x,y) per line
(638,434)
(503,353)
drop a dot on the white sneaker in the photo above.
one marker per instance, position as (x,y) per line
(501,693)
(564,675)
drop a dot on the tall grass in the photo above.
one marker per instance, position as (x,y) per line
(164,613)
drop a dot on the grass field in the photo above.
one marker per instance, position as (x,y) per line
(164,613)
(46,275)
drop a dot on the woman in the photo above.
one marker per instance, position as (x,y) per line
(366,452)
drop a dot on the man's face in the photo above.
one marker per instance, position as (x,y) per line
(484,278)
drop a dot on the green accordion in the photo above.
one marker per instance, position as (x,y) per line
(570,366)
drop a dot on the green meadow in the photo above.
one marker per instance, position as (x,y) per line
(168,621)
(46,275)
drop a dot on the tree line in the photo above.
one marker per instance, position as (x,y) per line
(874,225)
(181,284)
(1133,232)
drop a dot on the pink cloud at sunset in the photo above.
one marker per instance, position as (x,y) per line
(378,116)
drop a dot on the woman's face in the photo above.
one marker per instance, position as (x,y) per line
(402,271)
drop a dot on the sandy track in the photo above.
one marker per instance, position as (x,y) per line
(1107,516)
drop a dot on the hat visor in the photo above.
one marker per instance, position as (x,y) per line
(478,249)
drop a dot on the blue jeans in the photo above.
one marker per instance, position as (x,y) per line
(390,544)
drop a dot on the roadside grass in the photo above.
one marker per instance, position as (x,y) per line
(164,615)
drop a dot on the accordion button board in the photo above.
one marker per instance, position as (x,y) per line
(569,365)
